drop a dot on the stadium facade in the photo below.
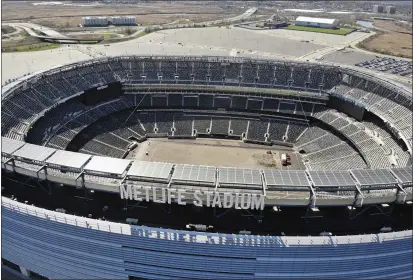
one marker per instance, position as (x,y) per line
(64,212)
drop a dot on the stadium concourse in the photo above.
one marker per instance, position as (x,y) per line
(76,205)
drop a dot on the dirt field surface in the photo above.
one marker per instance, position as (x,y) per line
(69,14)
(214,152)
(390,42)
(391,26)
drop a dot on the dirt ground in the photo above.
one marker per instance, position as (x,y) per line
(214,152)
(58,16)
(391,26)
(390,42)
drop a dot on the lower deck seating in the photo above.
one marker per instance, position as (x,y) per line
(113,125)
(294,131)
(202,124)
(183,125)
(164,122)
(95,147)
(220,126)
(257,130)
(238,126)
(277,130)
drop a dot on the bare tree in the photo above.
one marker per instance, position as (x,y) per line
(129,31)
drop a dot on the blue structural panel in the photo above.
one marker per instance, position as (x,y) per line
(61,246)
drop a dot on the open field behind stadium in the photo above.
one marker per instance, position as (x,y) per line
(70,13)
(214,152)
(394,41)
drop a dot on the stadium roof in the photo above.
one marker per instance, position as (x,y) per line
(107,165)
(34,152)
(369,177)
(288,178)
(68,159)
(404,175)
(155,170)
(316,20)
(239,176)
(9,146)
(331,178)
(194,173)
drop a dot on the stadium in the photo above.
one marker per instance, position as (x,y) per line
(171,167)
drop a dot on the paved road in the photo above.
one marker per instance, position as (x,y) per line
(17,31)
(29,27)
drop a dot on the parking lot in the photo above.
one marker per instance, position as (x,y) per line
(389,65)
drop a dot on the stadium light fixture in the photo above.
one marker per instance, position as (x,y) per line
(351,208)
(386,229)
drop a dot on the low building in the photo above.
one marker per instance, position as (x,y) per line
(378,9)
(390,9)
(94,21)
(123,20)
(105,21)
(317,22)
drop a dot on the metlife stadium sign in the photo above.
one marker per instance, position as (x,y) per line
(198,198)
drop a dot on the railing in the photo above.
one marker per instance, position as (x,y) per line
(198,237)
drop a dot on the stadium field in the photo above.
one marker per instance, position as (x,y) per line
(215,152)
(341,31)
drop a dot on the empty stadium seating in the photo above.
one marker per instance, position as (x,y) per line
(220,126)
(57,124)
(257,130)
(183,125)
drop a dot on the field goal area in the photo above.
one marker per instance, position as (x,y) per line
(215,152)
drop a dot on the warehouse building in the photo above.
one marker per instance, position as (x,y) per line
(317,22)
(94,21)
(378,9)
(123,20)
(390,9)
(105,21)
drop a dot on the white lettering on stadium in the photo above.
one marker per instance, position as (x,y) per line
(198,198)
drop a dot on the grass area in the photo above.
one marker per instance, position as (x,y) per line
(26,44)
(31,48)
(106,36)
(140,34)
(118,40)
(341,31)
(182,21)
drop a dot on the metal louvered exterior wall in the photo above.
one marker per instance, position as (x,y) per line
(60,246)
